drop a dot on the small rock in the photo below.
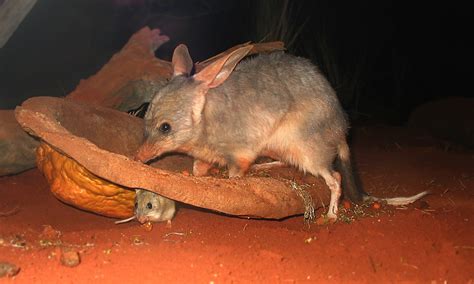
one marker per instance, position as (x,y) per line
(70,258)
(148,226)
(8,269)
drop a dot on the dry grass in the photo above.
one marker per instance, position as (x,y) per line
(300,189)
(276,21)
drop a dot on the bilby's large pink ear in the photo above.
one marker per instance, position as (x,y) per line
(212,76)
(182,62)
(217,72)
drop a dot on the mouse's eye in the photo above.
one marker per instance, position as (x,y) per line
(149,205)
(165,127)
(136,205)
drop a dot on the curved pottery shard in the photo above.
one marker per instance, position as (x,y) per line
(103,141)
(75,185)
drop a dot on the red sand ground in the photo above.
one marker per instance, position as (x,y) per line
(431,240)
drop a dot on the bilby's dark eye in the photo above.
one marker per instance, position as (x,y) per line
(149,205)
(165,127)
(136,205)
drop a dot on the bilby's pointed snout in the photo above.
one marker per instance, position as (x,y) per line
(145,153)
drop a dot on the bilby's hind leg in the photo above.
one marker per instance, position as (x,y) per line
(318,161)
(333,181)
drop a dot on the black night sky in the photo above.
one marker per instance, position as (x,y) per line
(383,57)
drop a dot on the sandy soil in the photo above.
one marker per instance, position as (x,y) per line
(431,240)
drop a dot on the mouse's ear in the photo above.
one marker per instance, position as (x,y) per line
(181,62)
(217,72)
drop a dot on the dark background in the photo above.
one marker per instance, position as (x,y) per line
(383,57)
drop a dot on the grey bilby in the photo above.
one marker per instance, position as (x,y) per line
(231,112)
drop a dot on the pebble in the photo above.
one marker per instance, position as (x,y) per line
(8,269)
(70,258)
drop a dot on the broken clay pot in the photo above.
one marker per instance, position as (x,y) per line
(104,140)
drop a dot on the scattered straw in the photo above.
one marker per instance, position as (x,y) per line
(174,234)
(464,247)
(301,191)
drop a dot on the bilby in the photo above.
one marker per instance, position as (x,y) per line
(231,112)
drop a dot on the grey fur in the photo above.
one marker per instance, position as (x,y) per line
(261,94)
(152,207)
(275,103)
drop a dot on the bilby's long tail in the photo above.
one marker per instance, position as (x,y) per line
(343,165)
(353,192)
(397,201)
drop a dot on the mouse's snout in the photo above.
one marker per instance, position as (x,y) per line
(142,219)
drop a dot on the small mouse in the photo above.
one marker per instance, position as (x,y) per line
(151,207)
(231,112)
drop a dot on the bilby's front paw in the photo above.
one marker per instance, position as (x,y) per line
(200,168)
(236,172)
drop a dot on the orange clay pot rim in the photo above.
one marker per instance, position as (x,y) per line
(249,196)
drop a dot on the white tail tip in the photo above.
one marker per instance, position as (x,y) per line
(397,201)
